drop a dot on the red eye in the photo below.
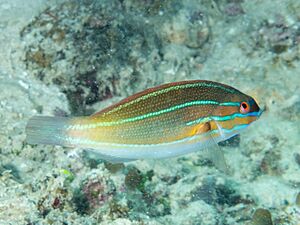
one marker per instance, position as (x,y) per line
(244,107)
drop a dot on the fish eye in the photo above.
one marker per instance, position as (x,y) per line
(244,107)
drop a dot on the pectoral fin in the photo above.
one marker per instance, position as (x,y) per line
(214,151)
(216,155)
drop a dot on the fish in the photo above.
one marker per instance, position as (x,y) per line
(160,122)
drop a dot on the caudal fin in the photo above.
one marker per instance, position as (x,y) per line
(47,130)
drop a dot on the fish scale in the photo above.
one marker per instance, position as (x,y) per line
(163,121)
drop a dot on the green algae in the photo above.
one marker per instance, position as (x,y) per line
(80,201)
(136,180)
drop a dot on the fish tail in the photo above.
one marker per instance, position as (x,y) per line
(47,130)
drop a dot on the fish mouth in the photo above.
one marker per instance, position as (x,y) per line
(260,112)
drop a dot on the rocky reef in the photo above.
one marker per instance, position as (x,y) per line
(76,57)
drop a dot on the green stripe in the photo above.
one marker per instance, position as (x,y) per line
(166,90)
(230,104)
(145,116)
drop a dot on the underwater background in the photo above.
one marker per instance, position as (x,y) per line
(63,58)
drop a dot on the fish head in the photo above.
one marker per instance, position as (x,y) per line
(234,114)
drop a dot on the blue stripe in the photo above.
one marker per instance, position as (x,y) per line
(222,118)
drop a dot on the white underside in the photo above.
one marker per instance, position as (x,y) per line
(147,151)
(155,151)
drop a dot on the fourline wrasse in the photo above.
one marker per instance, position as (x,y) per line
(164,121)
